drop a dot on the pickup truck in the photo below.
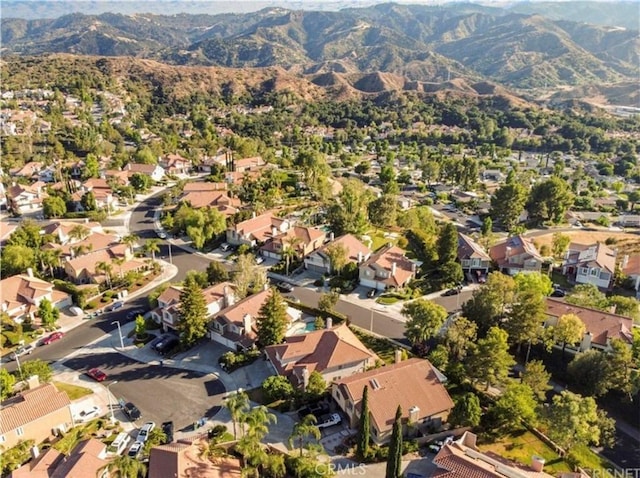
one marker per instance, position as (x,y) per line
(334,419)
(24,350)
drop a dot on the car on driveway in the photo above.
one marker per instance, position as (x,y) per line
(87,415)
(143,434)
(117,305)
(135,313)
(135,450)
(334,419)
(96,374)
(131,411)
(162,235)
(558,293)
(372,293)
(284,286)
(259,260)
(24,350)
(454,291)
(163,348)
(52,338)
(167,429)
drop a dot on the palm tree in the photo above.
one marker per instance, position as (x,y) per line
(290,250)
(125,467)
(119,261)
(306,428)
(50,259)
(258,420)
(274,466)
(237,404)
(151,246)
(213,451)
(107,269)
(79,232)
(130,241)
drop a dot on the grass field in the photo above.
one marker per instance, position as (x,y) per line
(74,391)
(625,241)
(382,348)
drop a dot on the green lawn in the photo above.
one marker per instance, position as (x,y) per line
(379,240)
(561,280)
(74,391)
(382,347)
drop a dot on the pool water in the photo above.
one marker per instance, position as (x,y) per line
(303,328)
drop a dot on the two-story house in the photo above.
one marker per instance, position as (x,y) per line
(590,264)
(334,352)
(517,254)
(600,326)
(25,198)
(35,414)
(630,267)
(154,171)
(20,296)
(235,326)
(84,268)
(302,240)
(257,230)
(424,402)
(355,252)
(472,257)
(102,192)
(175,164)
(388,268)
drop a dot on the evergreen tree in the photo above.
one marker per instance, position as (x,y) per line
(394,459)
(447,244)
(193,313)
(490,361)
(47,312)
(467,411)
(272,321)
(365,425)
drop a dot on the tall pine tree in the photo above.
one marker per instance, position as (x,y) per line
(365,425)
(394,459)
(193,313)
(272,321)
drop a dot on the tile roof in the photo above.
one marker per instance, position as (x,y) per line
(319,350)
(219,200)
(387,390)
(353,245)
(30,406)
(384,259)
(84,461)
(603,326)
(594,255)
(259,227)
(41,467)
(470,249)
(170,295)
(184,460)
(22,289)
(141,168)
(631,265)
(306,236)
(200,186)
(517,245)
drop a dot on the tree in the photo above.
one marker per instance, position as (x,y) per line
(451,273)
(54,206)
(79,233)
(248,275)
(587,295)
(140,182)
(573,420)
(515,405)
(627,306)
(327,302)
(507,205)
(394,458)
(316,386)
(7,382)
(349,213)
(152,246)
(107,269)
(16,259)
(549,201)
(620,363)
(156,437)
(200,278)
(425,319)
(460,334)
(141,326)
(338,254)
(193,313)
(466,412)
(47,312)
(277,387)
(447,244)
(124,466)
(568,330)
(364,428)
(91,167)
(238,405)
(88,201)
(37,367)
(589,371)
(304,429)
(489,303)
(490,360)
(535,282)
(524,320)
(130,240)
(257,420)
(559,245)
(216,273)
(535,375)
(383,211)
(272,320)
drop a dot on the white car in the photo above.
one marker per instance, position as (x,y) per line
(143,434)
(259,260)
(24,350)
(87,415)
(334,419)
(135,450)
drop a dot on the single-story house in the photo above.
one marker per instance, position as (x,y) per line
(154,171)
(183,459)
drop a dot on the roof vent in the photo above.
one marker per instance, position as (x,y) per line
(374,384)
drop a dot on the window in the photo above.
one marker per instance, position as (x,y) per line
(2,439)
(19,431)
(584,271)
(594,272)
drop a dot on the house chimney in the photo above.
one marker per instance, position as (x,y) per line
(394,266)
(360,257)
(228,298)
(537,463)
(35,451)
(253,215)
(246,323)
(469,439)
(332,236)
(625,261)
(30,272)
(397,355)
(33,382)
(328,323)
(414,414)
(274,231)
(305,378)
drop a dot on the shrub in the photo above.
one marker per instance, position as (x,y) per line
(277,387)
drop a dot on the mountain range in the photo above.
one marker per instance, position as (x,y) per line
(415,44)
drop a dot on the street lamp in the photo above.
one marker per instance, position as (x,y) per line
(119,332)
(113,418)
(19,367)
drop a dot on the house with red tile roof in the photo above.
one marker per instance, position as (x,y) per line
(20,296)
(81,269)
(62,229)
(184,459)
(154,171)
(23,198)
(303,240)
(426,402)
(463,459)
(105,199)
(472,257)
(334,352)
(219,200)
(630,266)
(600,326)
(590,264)
(29,170)
(235,326)
(517,254)
(175,164)
(257,230)
(34,414)
(388,268)
(356,251)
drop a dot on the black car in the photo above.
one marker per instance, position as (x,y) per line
(167,429)
(284,287)
(131,411)
(372,293)
(166,346)
(449,292)
(558,293)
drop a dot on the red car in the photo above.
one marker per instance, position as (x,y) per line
(97,374)
(52,338)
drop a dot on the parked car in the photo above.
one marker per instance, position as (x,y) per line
(52,338)
(24,350)
(162,235)
(224,247)
(454,291)
(131,411)
(159,339)
(135,450)
(143,434)
(334,419)
(558,293)
(96,374)
(135,313)
(118,445)
(87,415)
(117,305)
(259,260)
(372,293)
(166,346)
(284,287)
(167,429)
